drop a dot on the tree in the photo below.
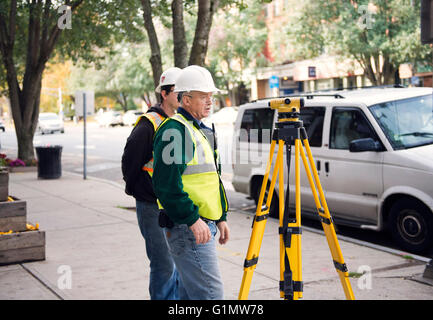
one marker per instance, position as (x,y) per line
(234,51)
(180,50)
(155,56)
(379,34)
(31,32)
(205,12)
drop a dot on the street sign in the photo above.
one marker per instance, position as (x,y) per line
(90,103)
(311,72)
(274,82)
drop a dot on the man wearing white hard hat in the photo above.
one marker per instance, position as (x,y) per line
(137,169)
(187,183)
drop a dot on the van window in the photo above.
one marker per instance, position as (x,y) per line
(312,118)
(406,123)
(257,123)
(347,125)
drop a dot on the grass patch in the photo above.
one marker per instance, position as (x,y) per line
(355,274)
(126,208)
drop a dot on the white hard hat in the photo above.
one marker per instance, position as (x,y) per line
(195,78)
(168,77)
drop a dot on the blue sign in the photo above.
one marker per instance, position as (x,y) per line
(312,72)
(415,80)
(274,82)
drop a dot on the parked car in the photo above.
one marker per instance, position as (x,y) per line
(131,116)
(373,150)
(110,119)
(50,122)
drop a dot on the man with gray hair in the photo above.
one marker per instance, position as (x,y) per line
(188,185)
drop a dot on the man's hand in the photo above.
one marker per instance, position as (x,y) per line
(201,231)
(224,232)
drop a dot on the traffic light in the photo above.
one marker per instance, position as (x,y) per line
(426,21)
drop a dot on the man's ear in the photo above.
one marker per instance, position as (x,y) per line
(163,95)
(185,101)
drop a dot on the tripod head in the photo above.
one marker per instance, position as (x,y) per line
(288,109)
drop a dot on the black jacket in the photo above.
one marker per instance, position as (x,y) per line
(137,152)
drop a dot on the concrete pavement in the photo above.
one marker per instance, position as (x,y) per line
(94,250)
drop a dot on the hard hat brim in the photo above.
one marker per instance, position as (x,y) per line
(213,90)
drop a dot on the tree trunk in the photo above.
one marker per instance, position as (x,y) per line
(122,98)
(180,49)
(25,115)
(155,57)
(40,44)
(206,10)
(381,74)
(388,71)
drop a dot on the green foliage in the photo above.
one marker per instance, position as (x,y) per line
(360,29)
(94,24)
(124,73)
(233,50)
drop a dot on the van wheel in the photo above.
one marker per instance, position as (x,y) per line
(411,225)
(274,210)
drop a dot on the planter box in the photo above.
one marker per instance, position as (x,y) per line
(22,247)
(13,215)
(4,184)
(23,169)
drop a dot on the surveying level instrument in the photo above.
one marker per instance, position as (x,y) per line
(288,131)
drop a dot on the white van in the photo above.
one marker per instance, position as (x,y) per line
(373,150)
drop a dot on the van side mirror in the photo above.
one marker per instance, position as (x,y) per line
(367,144)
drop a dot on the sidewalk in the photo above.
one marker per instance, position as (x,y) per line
(93,241)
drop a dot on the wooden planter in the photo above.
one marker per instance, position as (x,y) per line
(22,247)
(13,215)
(23,169)
(4,184)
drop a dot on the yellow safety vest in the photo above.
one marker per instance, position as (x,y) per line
(156,119)
(200,179)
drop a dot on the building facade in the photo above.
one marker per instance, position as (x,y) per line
(322,73)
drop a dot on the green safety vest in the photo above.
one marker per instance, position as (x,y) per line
(200,179)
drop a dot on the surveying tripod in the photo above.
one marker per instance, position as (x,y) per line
(289,130)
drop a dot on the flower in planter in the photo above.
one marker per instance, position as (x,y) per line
(31,163)
(3,160)
(6,162)
(17,163)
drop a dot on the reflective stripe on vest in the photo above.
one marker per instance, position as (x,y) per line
(200,178)
(156,119)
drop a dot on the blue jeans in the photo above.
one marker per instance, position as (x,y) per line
(164,279)
(197,264)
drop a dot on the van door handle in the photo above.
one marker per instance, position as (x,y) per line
(327,167)
(318,165)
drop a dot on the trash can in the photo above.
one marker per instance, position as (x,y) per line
(49,162)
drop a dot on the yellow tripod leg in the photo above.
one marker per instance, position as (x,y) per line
(328,226)
(281,210)
(298,270)
(293,252)
(259,225)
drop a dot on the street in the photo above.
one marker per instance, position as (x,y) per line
(104,153)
